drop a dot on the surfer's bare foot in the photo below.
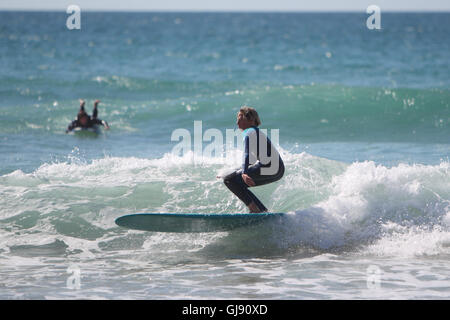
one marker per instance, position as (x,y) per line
(253,208)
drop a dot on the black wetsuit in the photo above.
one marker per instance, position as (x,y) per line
(91,122)
(263,166)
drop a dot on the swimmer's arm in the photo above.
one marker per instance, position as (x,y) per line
(72,126)
(105,124)
(101,122)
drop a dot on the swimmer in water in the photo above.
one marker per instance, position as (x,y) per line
(83,120)
(261,162)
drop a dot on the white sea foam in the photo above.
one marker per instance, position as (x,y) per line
(362,205)
(402,241)
(331,206)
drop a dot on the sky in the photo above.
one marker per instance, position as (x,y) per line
(227,5)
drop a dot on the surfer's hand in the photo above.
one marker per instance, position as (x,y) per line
(248,181)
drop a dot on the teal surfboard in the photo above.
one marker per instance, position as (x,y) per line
(192,222)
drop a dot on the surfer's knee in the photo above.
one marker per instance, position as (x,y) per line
(228,179)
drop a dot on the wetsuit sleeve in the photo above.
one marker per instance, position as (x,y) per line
(96,121)
(73,125)
(246,157)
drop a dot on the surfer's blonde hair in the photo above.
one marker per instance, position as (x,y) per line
(250,114)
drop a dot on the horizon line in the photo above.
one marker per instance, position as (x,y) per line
(225,10)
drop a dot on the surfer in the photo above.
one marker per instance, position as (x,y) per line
(85,121)
(261,163)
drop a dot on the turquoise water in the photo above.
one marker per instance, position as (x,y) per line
(363,119)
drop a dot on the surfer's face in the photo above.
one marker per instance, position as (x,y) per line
(242,122)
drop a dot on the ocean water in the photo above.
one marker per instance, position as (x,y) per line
(363,118)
